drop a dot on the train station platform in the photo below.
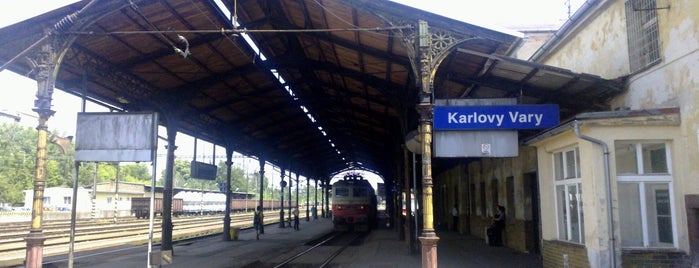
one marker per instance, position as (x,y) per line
(380,249)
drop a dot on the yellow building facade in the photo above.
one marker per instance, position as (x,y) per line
(614,186)
(651,131)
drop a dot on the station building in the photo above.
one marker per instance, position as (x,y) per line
(615,185)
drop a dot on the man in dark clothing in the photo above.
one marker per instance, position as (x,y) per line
(495,229)
(296,218)
(455,216)
(257,221)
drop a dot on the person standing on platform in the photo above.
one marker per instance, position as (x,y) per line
(257,221)
(494,232)
(314,212)
(295,212)
(455,216)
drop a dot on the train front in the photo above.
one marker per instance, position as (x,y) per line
(353,205)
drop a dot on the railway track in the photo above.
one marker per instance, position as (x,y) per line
(322,251)
(90,235)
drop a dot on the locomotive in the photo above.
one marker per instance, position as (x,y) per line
(353,204)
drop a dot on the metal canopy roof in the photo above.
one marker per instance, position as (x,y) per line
(346,62)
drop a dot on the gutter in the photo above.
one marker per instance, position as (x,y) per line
(567,26)
(607,178)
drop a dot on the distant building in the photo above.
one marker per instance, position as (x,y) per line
(107,197)
(534,38)
(60,199)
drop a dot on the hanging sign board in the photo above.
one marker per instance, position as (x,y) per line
(203,171)
(116,137)
(495,117)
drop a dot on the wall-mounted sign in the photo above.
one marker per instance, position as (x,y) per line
(495,117)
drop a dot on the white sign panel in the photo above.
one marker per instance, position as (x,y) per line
(456,142)
(116,137)
(492,143)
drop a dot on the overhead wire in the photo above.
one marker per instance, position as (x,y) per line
(236,31)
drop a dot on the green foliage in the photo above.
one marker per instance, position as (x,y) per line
(16,161)
(18,158)
(139,173)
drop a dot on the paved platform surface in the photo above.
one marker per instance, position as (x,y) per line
(380,249)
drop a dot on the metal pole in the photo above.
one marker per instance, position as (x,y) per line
(154,157)
(297,192)
(291,184)
(429,238)
(166,234)
(94,193)
(408,200)
(116,193)
(281,211)
(74,203)
(308,192)
(414,190)
(151,217)
(45,78)
(227,217)
(262,182)
(326,192)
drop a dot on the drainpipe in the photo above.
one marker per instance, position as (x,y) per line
(607,178)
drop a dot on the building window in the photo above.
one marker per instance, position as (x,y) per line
(569,205)
(642,30)
(66,200)
(109,200)
(645,193)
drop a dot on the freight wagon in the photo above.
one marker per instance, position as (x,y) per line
(140,206)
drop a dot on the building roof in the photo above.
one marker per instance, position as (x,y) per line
(345,62)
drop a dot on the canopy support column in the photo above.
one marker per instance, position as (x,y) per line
(262,195)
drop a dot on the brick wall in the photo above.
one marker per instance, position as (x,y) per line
(662,258)
(552,254)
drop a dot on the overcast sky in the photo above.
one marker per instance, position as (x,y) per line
(18,92)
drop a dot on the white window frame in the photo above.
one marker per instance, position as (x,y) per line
(642,179)
(566,182)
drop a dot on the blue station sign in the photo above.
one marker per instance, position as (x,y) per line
(495,117)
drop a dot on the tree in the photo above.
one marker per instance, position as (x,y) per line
(182,177)
(137,173)
(18,160)
(239,181)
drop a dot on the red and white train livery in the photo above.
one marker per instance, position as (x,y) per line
(353,204)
